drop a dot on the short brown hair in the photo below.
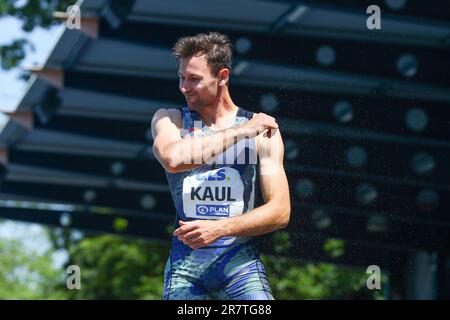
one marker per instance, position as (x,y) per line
(215,46)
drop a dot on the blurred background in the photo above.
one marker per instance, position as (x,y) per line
(362,98)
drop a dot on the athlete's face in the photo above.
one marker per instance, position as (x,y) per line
(197,84)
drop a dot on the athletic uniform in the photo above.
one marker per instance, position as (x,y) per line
(229,268)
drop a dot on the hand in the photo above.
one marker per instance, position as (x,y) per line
(259,123)
(199,233)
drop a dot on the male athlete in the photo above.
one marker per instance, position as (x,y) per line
(210,151)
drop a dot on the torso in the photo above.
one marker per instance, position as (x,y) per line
(221,189)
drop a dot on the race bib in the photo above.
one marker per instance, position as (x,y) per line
(213,194)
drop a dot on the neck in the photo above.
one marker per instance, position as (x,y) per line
(220,111)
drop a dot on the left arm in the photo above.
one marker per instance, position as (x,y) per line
(271,216)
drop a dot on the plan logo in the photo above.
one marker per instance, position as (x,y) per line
(212,210)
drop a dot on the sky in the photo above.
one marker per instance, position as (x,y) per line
(11,90)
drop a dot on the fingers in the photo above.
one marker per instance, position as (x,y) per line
(194,240)
(185,227)
(267,121)
(262,114)
(189,236)
(270,132)
(196,244)
(267,116)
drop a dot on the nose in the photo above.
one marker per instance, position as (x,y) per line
(184,88)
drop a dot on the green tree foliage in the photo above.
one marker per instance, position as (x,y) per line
(26,274)
(33,13)
(113,267)
(292,279)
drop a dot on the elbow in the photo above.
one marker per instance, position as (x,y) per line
(171,165)
(281,214)
(167,159)
(285,215)
(170,170)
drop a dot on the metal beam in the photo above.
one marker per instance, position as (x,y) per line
(150,228)
(129,198)
(42,140)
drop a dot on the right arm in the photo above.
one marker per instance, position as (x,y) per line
(177,154)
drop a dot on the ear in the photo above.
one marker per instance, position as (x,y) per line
(224,74)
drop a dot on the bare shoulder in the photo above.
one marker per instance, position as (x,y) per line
(269,143)
(172,114)
(166,120)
